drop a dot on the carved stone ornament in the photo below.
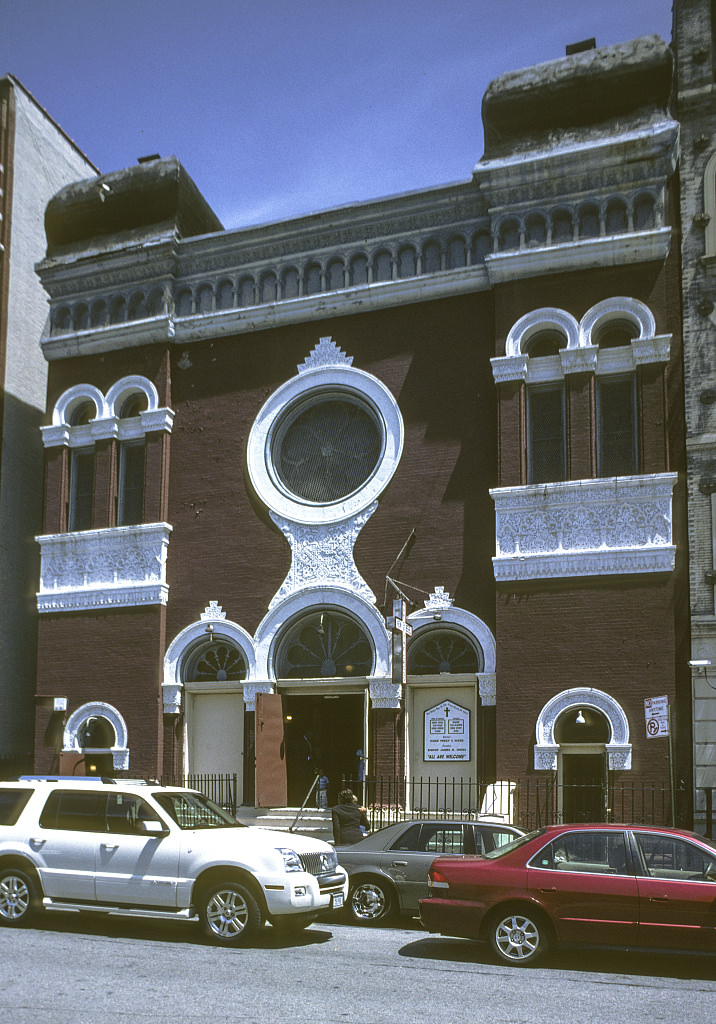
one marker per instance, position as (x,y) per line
(487,682)
(438,600)
(325,353)
(323,556)
(171,698)
(384,693)
(212,611)
(584,528)
(119,567)
(250,691)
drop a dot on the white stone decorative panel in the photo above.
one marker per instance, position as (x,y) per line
(384,693)
(584,528)
(117,567)
(323,556)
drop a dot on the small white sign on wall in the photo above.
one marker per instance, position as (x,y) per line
(447,733)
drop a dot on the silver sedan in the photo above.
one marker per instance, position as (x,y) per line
(388,870)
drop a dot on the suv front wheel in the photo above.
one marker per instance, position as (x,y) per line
(229,914)
(18,896)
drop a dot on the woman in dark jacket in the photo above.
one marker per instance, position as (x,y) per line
(347,819)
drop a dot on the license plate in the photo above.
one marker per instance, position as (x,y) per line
(337,900)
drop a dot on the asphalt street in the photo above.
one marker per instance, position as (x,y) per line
(78,969)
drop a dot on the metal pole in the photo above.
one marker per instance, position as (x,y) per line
(671,769)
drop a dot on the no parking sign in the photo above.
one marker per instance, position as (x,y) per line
(656,712)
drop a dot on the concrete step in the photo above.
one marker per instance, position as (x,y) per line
(310,821)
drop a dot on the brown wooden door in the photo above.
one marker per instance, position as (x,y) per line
(270,751)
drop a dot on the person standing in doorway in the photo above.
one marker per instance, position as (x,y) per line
(322,790)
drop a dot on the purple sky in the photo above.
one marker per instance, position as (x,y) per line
(279,109)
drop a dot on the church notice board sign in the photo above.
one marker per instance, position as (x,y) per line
(447,733)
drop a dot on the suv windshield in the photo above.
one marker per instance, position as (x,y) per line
(192,811)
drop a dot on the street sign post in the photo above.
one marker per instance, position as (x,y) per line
(657,713)
(401,631)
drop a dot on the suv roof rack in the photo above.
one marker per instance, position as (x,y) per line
(68,778)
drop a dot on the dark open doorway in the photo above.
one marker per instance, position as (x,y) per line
(583,782)
(322,732)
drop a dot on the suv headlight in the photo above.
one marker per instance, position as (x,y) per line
(291,860)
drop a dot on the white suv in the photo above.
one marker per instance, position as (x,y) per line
(153,851)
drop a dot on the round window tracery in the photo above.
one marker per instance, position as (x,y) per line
(216,662)
(324,645)
(440,651)
(326,450)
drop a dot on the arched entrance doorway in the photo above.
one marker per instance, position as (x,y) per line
(582,734)
(322,661)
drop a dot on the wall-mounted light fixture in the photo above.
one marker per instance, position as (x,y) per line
(580,719)
(210,631)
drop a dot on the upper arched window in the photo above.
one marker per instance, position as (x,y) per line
(359,270)
(267,288)
(536,229)
(438,651)
(312,283)
(324,644)
(562,226)
(431,258)
(382,266)
(481,246)
(407,266)
(215,661)
(289,283)
(247,295)
(456,254)
(335,275)
(225,295)
(545,343)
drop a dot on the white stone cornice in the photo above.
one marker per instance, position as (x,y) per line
(612,526)
(585,254)
(119,567)
(132,334)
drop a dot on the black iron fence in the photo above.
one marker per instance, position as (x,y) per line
(529,802)
(222,789)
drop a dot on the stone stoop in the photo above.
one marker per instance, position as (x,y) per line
(311,822)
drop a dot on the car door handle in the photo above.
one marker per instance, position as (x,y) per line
(658,899)
(109,846)
(400,863)
(551,889)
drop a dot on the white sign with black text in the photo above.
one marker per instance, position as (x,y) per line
(447,733)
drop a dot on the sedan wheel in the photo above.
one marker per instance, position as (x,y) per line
(229,914)
(17,895)
(519,939)
(370,902)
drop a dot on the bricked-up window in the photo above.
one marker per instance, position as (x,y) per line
(616,426)
(81,504)
(130,504)
(546,448)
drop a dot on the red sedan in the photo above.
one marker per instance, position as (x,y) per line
(603,885)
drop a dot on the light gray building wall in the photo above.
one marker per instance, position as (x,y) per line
(37,158)
(696,109)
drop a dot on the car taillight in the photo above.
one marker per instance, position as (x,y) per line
(437,880)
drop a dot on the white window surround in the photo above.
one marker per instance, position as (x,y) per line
(618,747)
(118,567)
(184,643)
(439,607)
(580,354)
(98,709)
(107,422)
(259,650)
(325,369)
(606,526)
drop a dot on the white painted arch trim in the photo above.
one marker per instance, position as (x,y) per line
(471,624)
(273,625)
(538,320)
(106,422)
(98,709)
(618,747)
(344,377)
(184,643)
(618,307)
